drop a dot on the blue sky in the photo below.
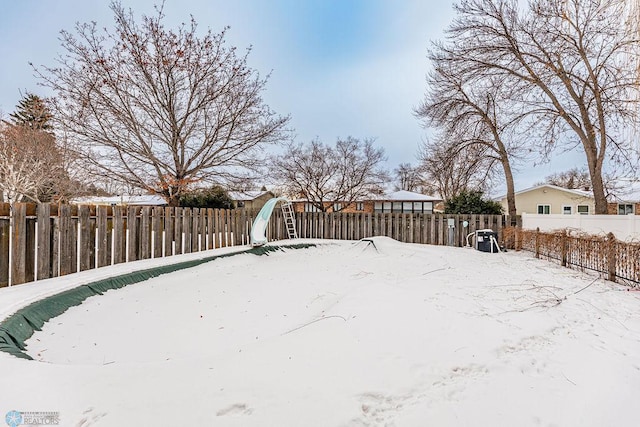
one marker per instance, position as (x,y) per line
(338,67)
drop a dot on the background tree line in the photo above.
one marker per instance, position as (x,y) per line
(169,111)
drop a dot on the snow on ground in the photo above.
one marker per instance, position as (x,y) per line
(344,334)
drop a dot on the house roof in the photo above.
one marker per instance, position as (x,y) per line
(246,196)
(396,196)
(407,196)
(141,200)
(626,190)
(582,193)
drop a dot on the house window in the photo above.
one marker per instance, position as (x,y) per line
(310,207)
(407,207)
(583,209)
(397,207)
(337,207)
(625,209)
(359,206)
(382,207)
(544,209)
(567,210)
(427,207)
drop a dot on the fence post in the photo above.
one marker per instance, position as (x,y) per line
(563,247)
(611,257)
(537,242)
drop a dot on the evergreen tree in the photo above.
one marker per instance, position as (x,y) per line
(31,111)
(471,202)
(214,197)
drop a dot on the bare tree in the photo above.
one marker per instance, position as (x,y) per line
(408,177)
(157,108)
(31,166)
(347,172)
(572,179)
(449,171)
(473,111)
(566,61)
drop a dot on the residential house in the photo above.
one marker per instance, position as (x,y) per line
(550,199)
(251,200)
(396,202)
(626,199)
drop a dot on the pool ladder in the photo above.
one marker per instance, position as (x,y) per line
(289,219)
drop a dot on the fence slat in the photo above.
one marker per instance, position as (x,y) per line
(203,229)
(132,234)
(177,228)
(86,244)
(186,230)
(67,232)
(44,241)
(157,231)
(19,244)
(216,229)
(195,229)
(168,231)
(103,237)
(119,235)
(4,252)
(145,233)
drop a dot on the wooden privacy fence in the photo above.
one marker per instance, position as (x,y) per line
(408,228)
(619,261)
(49,240)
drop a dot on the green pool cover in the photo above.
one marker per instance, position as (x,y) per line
(18,327)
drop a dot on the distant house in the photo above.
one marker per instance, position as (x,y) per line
(626,200)
(123,200)
(550,199)
(406,202)
(395,202)
(251,200)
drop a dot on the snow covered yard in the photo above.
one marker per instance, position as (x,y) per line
(343,334)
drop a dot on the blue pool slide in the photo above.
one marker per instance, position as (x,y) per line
(259,227)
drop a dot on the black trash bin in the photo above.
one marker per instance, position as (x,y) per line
(487,241)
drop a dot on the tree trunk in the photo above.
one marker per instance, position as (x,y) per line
(595,170)
(511,192)
(173,201)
